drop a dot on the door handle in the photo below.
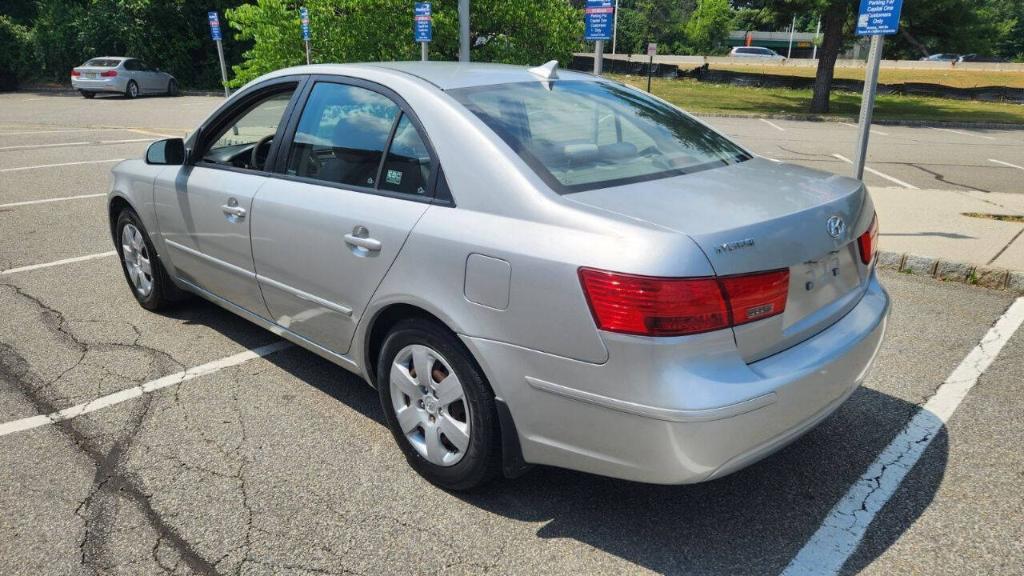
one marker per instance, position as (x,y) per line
(236,211)
(371,244)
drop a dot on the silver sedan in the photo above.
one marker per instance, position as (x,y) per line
(119,75)
(532,266)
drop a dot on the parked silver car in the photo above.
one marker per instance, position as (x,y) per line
(129,76)
(755,52)
(531,266)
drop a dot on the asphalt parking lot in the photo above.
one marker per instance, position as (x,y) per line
(273,461)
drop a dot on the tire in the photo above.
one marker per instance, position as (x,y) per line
(131,90)
(480,460)
(172,88)
(88,95)
(161,291)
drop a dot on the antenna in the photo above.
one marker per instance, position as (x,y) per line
(548,71)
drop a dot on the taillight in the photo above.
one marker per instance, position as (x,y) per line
(75,72)
(868,241)
(109,73)
(650,306)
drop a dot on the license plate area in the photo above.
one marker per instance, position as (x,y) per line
(816,283)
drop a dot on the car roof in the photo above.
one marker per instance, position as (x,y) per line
(445,75)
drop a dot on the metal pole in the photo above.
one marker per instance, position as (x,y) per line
(463,30)
(792,28)
(598,57)
(615,27)
(816,34)
(308,61)
(867,104)
(650,69)
(223,69)
(424,51)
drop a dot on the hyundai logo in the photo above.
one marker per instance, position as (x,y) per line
(835,226)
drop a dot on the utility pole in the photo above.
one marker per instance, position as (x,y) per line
(463,30)
(792,29)
(615,27)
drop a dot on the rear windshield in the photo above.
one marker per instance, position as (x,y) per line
(103,63)
(582,135)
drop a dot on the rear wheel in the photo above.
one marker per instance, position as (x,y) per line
(145,274)
(88,95)
(439,406)
(132,90)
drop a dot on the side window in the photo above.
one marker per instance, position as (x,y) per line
(252,127)
(407,166)
(131,65)
(142,66)
(342,134)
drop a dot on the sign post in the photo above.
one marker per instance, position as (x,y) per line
(463,30)
(423,27)
(878,19)
(652,49)
(304,25)
(597,19)
(214,20)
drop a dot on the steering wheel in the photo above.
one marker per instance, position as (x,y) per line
(255,161)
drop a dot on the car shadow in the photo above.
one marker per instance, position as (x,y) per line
(751,522)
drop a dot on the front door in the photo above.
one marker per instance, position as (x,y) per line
(204,209)
(356,178)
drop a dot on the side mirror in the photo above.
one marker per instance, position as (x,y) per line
(169,152)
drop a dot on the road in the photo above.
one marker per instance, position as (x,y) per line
(277,462)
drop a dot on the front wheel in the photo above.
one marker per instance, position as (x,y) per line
(145,274)
(172,88)
(132,90)
(439,406)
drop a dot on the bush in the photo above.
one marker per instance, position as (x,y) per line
(520,32)
(15,45)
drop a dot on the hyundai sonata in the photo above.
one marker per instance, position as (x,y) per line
(531,266)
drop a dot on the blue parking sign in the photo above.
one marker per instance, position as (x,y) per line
(598,17)
(423,27)
(304,23)
(214,25)
(879,17)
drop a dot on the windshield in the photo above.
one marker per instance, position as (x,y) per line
(581,135)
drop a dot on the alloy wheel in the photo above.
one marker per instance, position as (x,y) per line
(430,405)
(136,259)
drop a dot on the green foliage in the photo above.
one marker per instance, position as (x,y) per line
(57,45)
(709,26)
(15,43)
(661,21)
(521,32)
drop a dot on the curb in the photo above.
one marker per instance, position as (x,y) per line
(984,276)
(878,122)
(66,90)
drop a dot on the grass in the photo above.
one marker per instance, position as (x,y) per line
(946,77)
(707,98)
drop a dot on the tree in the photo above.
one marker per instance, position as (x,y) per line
(709,26)
(15,40)
(661,21)
(521,32)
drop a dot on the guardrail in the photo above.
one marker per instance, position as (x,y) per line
(808,63)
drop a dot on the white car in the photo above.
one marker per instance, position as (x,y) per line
(755,52)
(120,75)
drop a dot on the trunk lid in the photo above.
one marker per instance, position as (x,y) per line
(758,216)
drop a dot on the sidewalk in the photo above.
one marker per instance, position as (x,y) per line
(927,232)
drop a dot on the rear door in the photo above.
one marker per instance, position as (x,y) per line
(357,175)
(204,209)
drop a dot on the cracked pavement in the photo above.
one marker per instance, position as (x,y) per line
(282,464)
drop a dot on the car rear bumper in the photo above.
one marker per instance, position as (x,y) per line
(680,410)
(115,84)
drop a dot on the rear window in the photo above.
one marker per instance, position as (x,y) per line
(103,63)
(582,135)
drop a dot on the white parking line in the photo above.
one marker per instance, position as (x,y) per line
(136,392)
(63,144)
(962,133)
(873,131)
(844,528)
(1006,164)
(773,125)
(57,263)
(20,168)
(28,132)
(48,200)
(896,181)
